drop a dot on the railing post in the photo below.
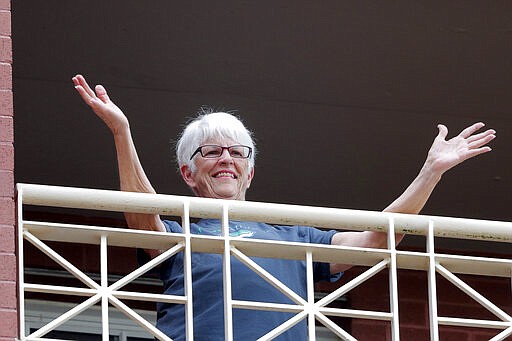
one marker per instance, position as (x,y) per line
(432,287)
(393,281)
(104,288)
(187,268)
(21,265)
(311,296)
(226,269)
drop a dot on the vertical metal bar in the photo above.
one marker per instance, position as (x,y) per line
(187,269)
(432,287)
(310,307)
(21,266)
(226,271)
(104,288)
(393,282)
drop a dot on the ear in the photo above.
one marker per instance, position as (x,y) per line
(250,177)
(186,174)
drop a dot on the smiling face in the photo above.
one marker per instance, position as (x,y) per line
(224,177)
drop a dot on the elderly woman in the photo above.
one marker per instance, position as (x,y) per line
(216,159)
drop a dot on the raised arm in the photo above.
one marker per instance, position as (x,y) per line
(131,174)
(442,156)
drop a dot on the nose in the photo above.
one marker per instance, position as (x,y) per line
(225,157)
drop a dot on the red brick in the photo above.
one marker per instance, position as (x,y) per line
(448,334)
(485,335)
(371,330)
(413,285)
(373,294)
(6,100)
(415,334)
(7,240)
(413,313)
(8,339)
(6,156)
(6,49)
(5,5)
(5,76)
(6,184)
(5,23)
(7,209)
(7,267)
(8,323)
(6,129)
(471,311)
(9,294)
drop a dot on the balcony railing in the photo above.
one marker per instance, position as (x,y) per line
(377,260)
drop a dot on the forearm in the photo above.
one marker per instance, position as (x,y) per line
(414,198)
(132,178)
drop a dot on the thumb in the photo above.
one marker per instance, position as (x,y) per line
(443,131)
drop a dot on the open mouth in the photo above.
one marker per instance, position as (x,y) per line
(224,174)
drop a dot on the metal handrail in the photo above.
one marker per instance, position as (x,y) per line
(225,210)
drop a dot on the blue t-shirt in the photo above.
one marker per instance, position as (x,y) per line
(207,290)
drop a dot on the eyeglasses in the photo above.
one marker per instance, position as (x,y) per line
(211,151)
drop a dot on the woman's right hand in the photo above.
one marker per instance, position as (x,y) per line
(101,104)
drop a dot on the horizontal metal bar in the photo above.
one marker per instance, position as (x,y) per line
(266,248)
(462,322)
(119,201)
(57,289)
(140,296)
(267,306)
(354,313)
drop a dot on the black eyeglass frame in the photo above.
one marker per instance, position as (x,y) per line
(200,151)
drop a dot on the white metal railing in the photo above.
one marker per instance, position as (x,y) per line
(448,266)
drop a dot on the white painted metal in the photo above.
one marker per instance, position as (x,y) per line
(95,199)
(311,309)
(474,294)
(64,317)
(353,283)
(21,266)
(285,326)
(147,267)
(342,334)
(226,273)
(104,289)
(432,287)
(393,282)
(303,308)
(503,335)
(61,260)
(139,319)
(187,268)
(268,277)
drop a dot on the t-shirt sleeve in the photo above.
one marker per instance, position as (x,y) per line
(170,226)
(322,271)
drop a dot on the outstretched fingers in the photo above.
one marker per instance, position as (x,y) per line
(471,130)
(80,81)
(477,151)
(481,139)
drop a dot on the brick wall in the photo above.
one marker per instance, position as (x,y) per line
(8,309)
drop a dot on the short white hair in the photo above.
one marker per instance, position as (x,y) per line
(212,125)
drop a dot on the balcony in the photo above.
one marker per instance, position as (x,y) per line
(105,293)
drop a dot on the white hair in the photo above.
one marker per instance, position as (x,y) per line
(212,125)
